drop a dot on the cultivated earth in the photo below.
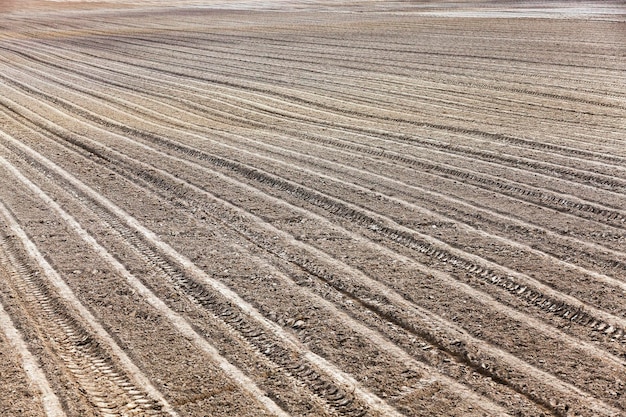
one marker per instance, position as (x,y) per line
(312,208)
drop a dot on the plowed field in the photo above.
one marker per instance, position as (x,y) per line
(312,209)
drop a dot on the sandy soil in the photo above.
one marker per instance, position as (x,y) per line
(312,208)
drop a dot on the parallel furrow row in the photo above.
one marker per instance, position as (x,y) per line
(521,290)
(603,181)
(106,386)
(337,87)
(342,87)
(343,402)
(536,196)
(585,177)
(459,351)
(315,48)
(261,88)
(466,355)
(293,362)
(254,82)
(524,143)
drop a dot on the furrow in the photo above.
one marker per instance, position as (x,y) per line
(582,177)
(82,353)
(396,317)
(361,400)
(373,297)
(563,203)
(608,263)
(449,98)
(48,399)
(533,290)
(384,63)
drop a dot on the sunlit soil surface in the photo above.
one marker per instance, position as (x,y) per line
(316,208)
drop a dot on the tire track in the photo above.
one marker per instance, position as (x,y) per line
(523,287)
(609,263)
(562,203)
(48,399)
(606,182)
(263,342)
(444,126)
(377,198)
(568,252)
(233,311)
(175,271)
(108,386)
(606,279)
(386,314)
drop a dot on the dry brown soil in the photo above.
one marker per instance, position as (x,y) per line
(312,208)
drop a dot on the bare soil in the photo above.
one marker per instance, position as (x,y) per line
(312,208)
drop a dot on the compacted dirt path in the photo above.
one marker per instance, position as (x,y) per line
(312,209)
